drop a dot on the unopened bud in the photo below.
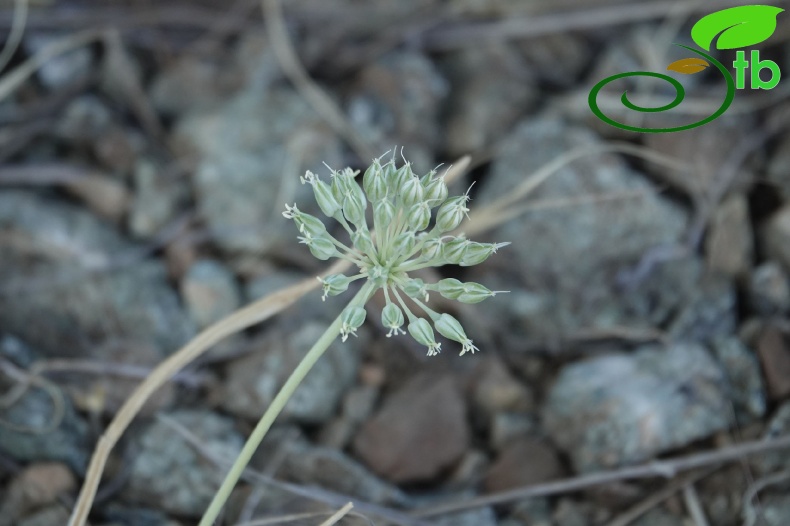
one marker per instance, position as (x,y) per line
(449,288)
(354,209)
(419,216)
(450,215)
(334,284)
(415,288)
(323,194)
(383,214)
(392,319)
(421,331)
(320,246)
(351,319)
(474,293)
(453,250)
(410,191)
(361,240)
(435,192)
(403,244)
(373,181)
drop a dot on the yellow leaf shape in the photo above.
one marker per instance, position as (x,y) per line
(687,66)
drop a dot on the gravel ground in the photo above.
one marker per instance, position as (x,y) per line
(645,337)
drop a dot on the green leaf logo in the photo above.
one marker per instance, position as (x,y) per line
(741,26)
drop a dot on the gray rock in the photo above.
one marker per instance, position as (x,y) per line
(624,408)
(357,405)
(708,309)
(522,462)
(188,83)
(331,469)
(56,514)
(397,100)
(778,170)
(565,266)
(504,427)
(778,426)
(659,517)
(169,474)
(252,151)
(491,90)
(743,371)
(83,119)
(136,516)
(777,237)
(729,244)
(155,199)
(25,433)
(775,510)
(419,431)
(569,512)
(532,512)
(559,58)
(58,269)
(60,70)
(769,289)
(484,516)
(254,380)
(36,486)
(210,292)
(17,351)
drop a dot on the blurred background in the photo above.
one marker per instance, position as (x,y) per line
(146,153)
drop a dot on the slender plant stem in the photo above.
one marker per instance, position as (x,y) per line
(275,408)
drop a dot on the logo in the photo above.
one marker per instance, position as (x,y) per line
(736,27)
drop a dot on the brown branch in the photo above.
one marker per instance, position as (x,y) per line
(659,468)
(532,26)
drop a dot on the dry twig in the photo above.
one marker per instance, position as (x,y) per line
(660,468)
(293,69)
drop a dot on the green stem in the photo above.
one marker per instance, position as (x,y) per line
(275,407)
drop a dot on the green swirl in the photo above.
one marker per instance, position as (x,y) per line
(680,93)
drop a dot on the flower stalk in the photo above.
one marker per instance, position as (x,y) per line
(402,205)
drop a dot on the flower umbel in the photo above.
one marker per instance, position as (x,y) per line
(401,205)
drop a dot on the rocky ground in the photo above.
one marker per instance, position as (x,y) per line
(142,181)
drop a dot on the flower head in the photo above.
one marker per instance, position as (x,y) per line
(400,241)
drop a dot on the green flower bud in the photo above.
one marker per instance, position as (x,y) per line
(410,191)
(451,329)
(321,246)
(403,245)
(351,319)
(354,209)
(432,248)
(389,171)
(341,185)
(453,250)
(361,240)
(402,175)
(310,225)
(334,284)
(415,288)
(418,217)
(392,319)
(450,214)
(323,194)
(383,214)
(449,288)
(421,331)
(436,192)
(427,178)
(474,293)
(476,253)
(358,193)
(373,181)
